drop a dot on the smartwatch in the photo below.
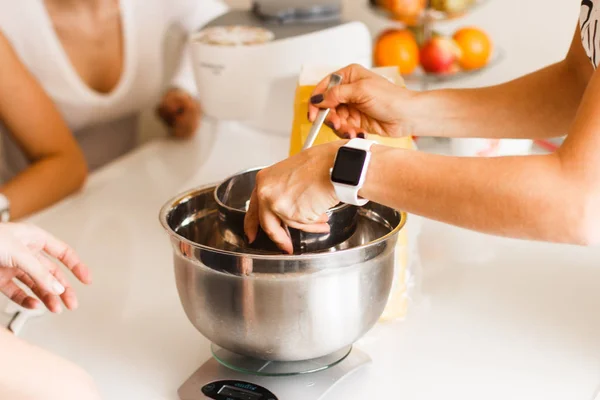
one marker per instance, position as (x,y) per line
(350,170)
(4,208)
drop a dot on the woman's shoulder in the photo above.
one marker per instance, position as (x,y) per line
(7,52)
(21,24)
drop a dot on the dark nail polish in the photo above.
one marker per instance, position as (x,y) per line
(346,136)
(361,135)
(316,99)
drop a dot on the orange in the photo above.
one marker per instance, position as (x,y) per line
(405,9)
(476,47)
(397,47)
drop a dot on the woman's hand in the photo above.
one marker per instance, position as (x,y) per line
(181,112)
(296,192)
(363,102)
(24,251)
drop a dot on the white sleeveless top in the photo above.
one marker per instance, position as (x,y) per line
(104,124)
(590,36)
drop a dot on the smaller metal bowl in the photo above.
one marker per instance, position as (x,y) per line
(233,197)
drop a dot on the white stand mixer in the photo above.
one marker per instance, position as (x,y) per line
(255,84)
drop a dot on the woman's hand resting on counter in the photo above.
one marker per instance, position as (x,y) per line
(364,102)
(24,255)
(181,112)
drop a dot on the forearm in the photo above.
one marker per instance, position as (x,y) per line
(539,105)
(524,197)
(44,183)
(27,372)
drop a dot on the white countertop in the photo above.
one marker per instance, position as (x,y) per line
(498,319)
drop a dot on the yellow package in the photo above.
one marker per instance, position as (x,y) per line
(310,76)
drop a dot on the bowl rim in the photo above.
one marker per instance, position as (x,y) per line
(220,204)
(184,196)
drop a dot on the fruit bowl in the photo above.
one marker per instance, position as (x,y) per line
(435,12)
(419,75)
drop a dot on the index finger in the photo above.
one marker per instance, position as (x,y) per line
(66,255)
(349,74)
(271,224)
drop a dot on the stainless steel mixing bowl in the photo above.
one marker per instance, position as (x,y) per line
(232,197)
(280,307)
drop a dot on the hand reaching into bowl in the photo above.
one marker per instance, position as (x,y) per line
(364,102)
(24,251)
(296,192)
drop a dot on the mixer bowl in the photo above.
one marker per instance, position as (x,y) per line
(280,307)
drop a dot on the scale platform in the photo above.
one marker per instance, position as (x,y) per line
(228,376)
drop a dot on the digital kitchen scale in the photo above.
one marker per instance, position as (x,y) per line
(229,376)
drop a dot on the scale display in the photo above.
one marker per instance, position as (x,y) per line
(236,390)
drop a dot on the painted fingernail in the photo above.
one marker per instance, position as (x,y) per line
(361,135)
(316,99)
(57,288)
(346,136)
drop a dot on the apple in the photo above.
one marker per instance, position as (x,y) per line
(440,55)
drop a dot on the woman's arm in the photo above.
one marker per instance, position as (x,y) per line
(552,197)
(541,104)
(538,105)
(28,372)
(58,167)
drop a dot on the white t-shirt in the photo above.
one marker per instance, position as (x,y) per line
(104,124)
(590,37)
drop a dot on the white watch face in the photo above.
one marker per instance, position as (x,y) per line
(349,165)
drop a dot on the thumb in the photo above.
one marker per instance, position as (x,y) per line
(251,221)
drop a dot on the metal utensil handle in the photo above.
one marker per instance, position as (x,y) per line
(316,127)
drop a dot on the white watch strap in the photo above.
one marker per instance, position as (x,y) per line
(349,194)
(362,144)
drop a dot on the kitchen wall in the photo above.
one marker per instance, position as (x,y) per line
(532,33)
